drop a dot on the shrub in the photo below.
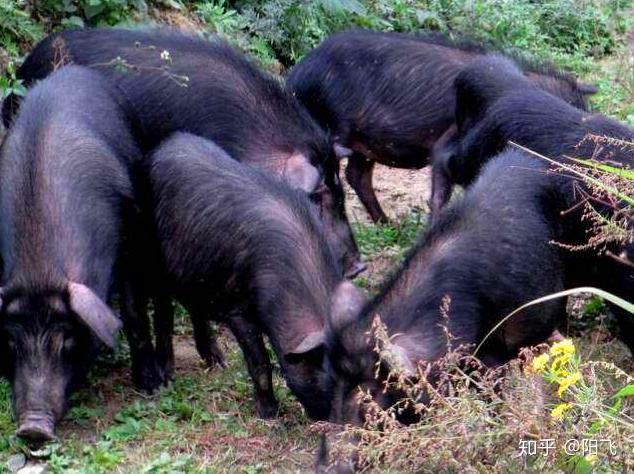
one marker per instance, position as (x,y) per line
(17,28)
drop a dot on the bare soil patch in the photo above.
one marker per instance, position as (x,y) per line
(398,191)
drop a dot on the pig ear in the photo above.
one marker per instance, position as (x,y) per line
(470,105)
(466,115)
(94,313)
(299,173)
(556,336)
(347,303)
(312,342)
(341,151)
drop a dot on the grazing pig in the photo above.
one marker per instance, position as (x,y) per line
(489,114)
(545,124)
(66,212)
(246,251)
(388,97)
(177,82)
(490,253)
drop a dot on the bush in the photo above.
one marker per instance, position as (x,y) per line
(567,32)
(17,28)
(80,13)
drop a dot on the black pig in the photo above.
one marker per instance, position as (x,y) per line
(490,112)
(531,118)
(244,250)
(178,82)
(551,127)
(490,252)
(388,97)
(66,210)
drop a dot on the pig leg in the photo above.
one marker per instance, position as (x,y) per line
(440,190)
(163,332)
(622,287)
(136,326)
(626,327)
(204,337)
(441,182)
(359,175)
(251,342)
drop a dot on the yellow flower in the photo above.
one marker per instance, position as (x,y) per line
(563,348)
(592,458)
(568,382)
(559,411)
(558,365)
(540,362)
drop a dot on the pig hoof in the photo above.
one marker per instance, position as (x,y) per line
(165,374)
(149,381)
(214,360)
(267,409)
(165,367)
(213,356)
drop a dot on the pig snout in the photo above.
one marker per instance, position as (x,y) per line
(36,427)
(39,399)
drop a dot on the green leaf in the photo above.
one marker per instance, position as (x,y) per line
(627,174)
(423,16)
(627,391)
(629,200)
(73,22)
(91,11)
(581,465)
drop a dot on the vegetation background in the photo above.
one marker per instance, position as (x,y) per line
(205,422)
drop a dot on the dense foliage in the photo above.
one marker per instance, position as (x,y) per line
(284,30)
(571,33)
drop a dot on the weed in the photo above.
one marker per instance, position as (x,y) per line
(486,420)
(393,238)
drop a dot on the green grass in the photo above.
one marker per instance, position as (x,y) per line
(616,87)
(205,421)
(394,238)
(383,246)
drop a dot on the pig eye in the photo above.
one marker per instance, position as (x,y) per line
(318,194)
(69,343)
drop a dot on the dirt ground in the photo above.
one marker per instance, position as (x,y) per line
(398,191)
